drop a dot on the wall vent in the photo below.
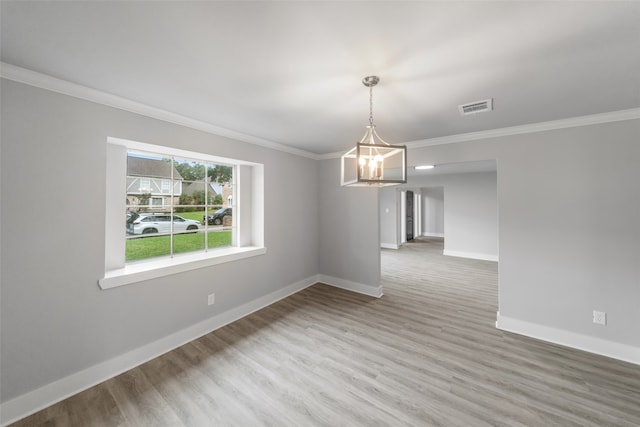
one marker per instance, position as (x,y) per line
(476,107)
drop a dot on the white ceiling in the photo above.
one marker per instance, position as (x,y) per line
(290,72)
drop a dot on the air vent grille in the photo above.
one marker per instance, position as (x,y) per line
(476,107)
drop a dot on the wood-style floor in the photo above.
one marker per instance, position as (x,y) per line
(426,353)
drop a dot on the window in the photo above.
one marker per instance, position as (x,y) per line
(152,233)
(166,186)
(145,185)
(157,202)
(182,210)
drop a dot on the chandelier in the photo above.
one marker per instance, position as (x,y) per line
(373,161)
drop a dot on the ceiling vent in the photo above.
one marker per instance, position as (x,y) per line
(476,107)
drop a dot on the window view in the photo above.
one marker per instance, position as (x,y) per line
(176,205)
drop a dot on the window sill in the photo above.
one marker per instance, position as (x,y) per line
(138,272)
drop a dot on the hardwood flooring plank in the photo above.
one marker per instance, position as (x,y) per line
(139,401)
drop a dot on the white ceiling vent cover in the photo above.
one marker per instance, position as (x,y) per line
(476,107)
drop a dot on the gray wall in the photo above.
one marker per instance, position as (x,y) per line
(349,231)
(569,228)
(389,217)
(55,321)
(433,211)
(470,214)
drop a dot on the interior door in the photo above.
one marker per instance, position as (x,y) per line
(409,218)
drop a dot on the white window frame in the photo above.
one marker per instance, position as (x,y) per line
(249,223)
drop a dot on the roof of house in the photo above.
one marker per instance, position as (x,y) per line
(140,166)
(191,187)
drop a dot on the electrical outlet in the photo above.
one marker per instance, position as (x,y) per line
(211,299)
(599,317)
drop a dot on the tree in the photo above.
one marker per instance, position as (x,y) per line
(143,201)
(196,172)
(190,172)
(221,174)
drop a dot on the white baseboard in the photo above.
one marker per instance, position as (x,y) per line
(389,246)
(372,291)
(591,344)
(33,401)
(432,234)
(472,255)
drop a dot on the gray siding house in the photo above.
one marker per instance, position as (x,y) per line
(149,184)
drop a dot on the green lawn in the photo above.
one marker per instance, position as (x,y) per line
(197,215)
(155,246)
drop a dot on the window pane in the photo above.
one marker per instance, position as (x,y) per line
(218,239)
(144,185)
(147,246)
(198,196)
(188,242)
(166,186)
(193,194)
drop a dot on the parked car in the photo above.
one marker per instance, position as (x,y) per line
(147,223)
(216,217)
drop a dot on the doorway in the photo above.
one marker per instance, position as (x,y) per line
(409,214)
(457,206)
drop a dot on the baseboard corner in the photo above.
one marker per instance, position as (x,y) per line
(372,291)
(471,255)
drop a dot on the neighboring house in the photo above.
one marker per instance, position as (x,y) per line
(227,195)
(149,184)
(226,191)
(196,191)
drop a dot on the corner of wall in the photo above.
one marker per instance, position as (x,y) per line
(372,291)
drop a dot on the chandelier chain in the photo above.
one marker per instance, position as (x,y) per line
(371,105)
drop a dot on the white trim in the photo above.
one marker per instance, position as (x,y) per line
(33,401)
(389,246)
(591,344)
(425,234)
(472,255)
(593,119)
(137,272)
(43,81)
(372,291)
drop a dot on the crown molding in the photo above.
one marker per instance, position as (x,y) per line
(593,119)
(44,81)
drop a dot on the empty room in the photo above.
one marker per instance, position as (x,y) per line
(319,213)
